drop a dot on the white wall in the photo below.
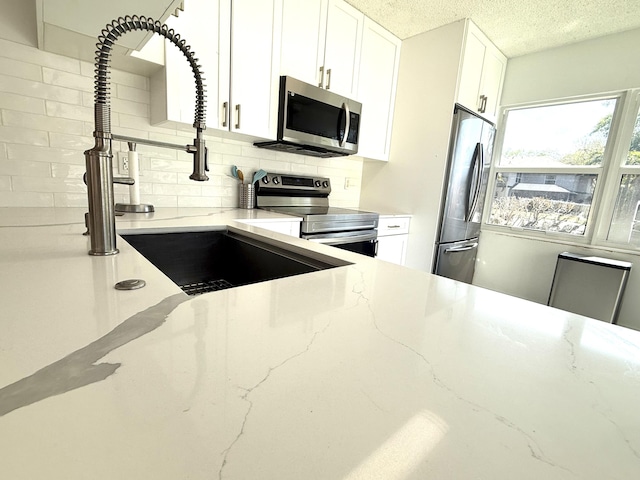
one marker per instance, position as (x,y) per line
(411,182)
(46,122)
(524,267)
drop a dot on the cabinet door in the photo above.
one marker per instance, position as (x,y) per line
(304,27)
(174,88)
(482,74)
(378,77)
(342,48)
(392,249)
(471,73)
(254,67)
(493,71)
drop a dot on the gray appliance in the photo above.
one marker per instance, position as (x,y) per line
(308,198)
(589,286)
(314,121)
(464,191)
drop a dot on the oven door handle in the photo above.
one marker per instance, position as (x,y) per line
(339,240)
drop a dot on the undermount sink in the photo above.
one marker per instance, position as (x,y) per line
(205,261)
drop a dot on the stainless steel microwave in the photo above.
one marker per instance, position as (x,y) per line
(314,121)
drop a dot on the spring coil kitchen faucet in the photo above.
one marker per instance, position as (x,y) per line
(99,159)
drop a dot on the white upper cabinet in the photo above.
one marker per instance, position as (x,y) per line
(255,33)
(482,74)
(378,76)
(342,48)
(234,42)
(174,88)
(321,42)
(304,28)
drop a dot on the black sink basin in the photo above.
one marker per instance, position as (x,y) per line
(205,261)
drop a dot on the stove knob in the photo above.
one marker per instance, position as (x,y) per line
(318,183)
(325,184)
(265,180)
(275,180)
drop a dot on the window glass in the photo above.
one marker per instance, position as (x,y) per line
(633,157)
(572,134)
(526,200)
(625,225)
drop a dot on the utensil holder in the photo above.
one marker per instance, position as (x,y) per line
(247,195)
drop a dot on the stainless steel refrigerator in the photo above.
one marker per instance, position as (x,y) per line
(464,191)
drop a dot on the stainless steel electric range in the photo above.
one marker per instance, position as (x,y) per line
(308,198)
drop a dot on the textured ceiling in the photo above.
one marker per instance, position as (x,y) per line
(517,27)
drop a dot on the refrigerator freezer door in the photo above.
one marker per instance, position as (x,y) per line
(457,260)
(466,178)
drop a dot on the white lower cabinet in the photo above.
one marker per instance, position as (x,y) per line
(393,235)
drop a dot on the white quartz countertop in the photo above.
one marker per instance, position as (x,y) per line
(366,371)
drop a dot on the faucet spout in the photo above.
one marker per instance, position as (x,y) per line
(99,159)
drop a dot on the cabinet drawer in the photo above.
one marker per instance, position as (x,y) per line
(393,225)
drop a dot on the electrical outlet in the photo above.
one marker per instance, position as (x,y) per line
(351,182)
(123,163)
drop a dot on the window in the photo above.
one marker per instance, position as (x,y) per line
(625,223)
(549,167)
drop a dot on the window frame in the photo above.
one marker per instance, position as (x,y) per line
(609,173)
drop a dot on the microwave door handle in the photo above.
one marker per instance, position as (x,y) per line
(347,124)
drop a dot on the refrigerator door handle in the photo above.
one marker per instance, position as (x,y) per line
(475,184)
(479,171)
(466,248)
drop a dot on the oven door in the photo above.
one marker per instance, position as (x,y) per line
(364,242)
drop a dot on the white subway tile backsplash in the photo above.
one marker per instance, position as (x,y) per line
(26,199)
(65,170)
(40,122)
(29,88)
(15,68)
(129,108)
(64,79)
(71,112)
(129,79)
(28,54)
(192,189)
(23,136)
(70,200)
(46,122)
(210,202)
(24,168)
(133,94)
(160,177)
(12,101)
(37,184)
(45,154)
(74,142)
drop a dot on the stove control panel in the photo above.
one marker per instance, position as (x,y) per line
(290,184)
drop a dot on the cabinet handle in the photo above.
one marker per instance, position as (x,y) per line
(483,104)
(225,113)
(238,115)
(321,82)
(328,79)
